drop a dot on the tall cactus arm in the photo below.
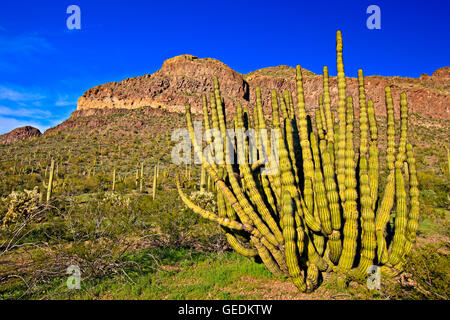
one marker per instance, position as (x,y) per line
(327,106)
(319,188)
(235,225)
(382,217)
(243,214)
(351,215)
(290,249)
(50,180)
(368,237)
(283,108)
(255,196)
(266,257)
(373,154)
(390,156)
(401,217)
(340,159)
(414,212)
(333,204)
(224,211)
(308,166)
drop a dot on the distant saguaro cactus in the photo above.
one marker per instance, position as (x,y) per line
(155,181)
(114,180)
(141,180)
(49,185)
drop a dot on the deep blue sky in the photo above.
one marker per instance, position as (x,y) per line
(44,67)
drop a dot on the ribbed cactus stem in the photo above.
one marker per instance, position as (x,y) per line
(290,249)
(319,125)
(254,194)
(155,182)
(206,119)
(266,257)
(382,216)
(363,121)
(50,181)
(368,237)
(209,215)
(414,211)
(340,159)
(136,179)
(401,217)
(202,179)
(446,148)
(308,165)
(373,154)
(327,106)
(390,157)
(220,184)
(319,189)
(350,206)
(141,180)
(283,108)
(114,180)
(321,120)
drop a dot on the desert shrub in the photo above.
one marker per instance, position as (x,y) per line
(427,274)
(116,200)
(435,189)
(19,205)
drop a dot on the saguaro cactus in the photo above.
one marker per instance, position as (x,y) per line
(141,180)
(155,182)
(321,211)
(114,180)
(50,181)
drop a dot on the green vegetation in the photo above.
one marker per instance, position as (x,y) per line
(129,246)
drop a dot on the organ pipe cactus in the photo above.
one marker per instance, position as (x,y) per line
(320,210)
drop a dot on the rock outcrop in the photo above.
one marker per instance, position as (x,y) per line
(19,134)
(183,79)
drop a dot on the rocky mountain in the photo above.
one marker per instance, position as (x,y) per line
(19,134)
(185,78)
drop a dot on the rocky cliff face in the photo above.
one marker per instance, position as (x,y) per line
(181,79)
(19,134)
(185,78)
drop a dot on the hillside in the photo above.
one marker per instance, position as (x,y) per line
(19,134)
(183,79)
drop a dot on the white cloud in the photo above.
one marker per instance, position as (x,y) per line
(23,44)
(64,101)
(14,95)
(24,112)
